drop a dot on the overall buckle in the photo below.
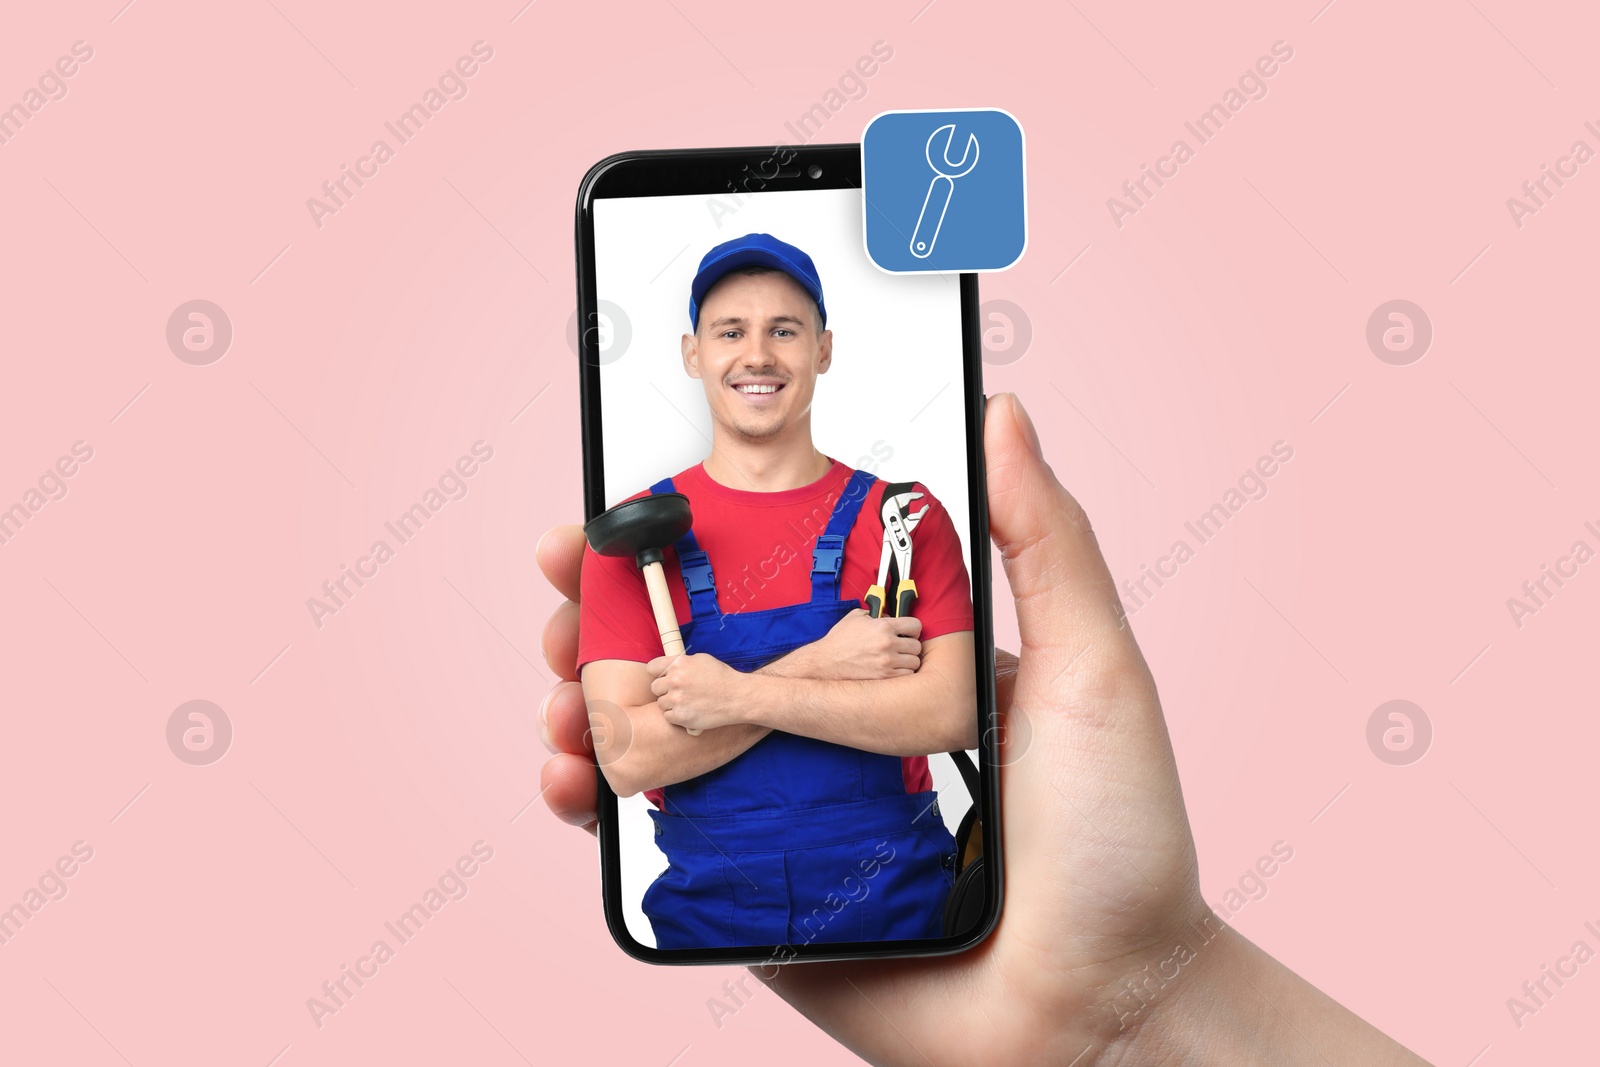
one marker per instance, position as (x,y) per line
(696,568)
(828,555)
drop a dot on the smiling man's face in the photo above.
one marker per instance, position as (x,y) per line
(758,351)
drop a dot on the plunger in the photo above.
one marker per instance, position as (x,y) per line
(641,528)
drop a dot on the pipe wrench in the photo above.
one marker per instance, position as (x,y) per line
(897,527)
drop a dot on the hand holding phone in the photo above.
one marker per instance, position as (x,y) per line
(1107,947)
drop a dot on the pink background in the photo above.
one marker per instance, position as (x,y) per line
(1167,355)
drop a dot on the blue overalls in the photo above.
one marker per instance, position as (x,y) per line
(795,841)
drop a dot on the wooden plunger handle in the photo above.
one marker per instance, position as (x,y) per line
(655,580)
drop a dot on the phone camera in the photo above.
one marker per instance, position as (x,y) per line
(815,171)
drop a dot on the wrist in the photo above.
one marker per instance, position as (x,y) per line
(743,696)
(1179,1006)
(795,664)
(1227,1001)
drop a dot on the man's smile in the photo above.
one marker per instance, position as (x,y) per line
(759,391)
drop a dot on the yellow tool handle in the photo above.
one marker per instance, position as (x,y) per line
(905,596)
(877,597)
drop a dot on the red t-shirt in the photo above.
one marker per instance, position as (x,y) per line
(749,539)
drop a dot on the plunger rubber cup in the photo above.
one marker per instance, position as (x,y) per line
(644,525)
(640,529)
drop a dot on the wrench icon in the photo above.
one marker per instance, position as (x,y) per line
(937,201)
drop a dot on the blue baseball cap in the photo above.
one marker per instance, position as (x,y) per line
(761,249)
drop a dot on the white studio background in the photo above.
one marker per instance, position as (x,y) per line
(895,382)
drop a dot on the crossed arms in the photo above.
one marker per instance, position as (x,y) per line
(869,684)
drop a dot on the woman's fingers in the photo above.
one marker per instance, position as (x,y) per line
(566,721)
(568,786)
(567,780)
(560,556)
(559,642)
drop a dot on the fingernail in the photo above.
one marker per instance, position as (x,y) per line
(1025,423)
(544,725)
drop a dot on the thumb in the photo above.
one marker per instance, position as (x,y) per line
(1066,598)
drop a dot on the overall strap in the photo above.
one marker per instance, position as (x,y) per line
(695,565)
(827,558)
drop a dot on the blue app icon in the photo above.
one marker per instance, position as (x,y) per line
(944,191)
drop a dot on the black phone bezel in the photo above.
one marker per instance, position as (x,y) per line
(736,172)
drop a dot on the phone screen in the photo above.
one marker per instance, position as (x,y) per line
(746,354)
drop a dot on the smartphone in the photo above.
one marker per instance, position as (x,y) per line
(785,633)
